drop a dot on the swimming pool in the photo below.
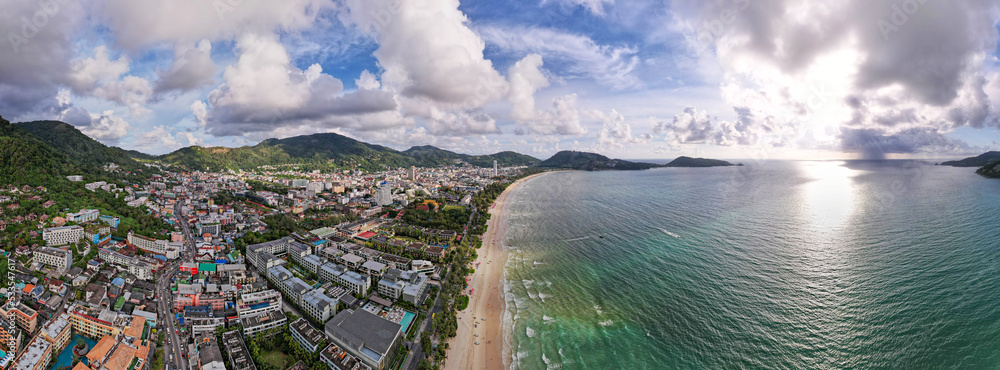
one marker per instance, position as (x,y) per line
(407,320)
(66,356)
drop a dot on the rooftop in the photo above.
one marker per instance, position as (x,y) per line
(239,356)
(362,329)
(307,332)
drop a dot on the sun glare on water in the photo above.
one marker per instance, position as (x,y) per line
(829,198)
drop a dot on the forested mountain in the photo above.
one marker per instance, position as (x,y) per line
(25,160)
(66,139)
(977,161)
(697,162)
(330,150)
(429,155)
(591,162)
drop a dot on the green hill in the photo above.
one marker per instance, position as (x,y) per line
(25,160)
(429,156)
(66,139)
(329,150)
(977,161)
(990,170)
(697,162)
(585,161)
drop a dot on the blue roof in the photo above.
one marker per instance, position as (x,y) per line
(118,281)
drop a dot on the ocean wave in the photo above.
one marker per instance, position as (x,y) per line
(669,233)
(549,364)
(606,323)
(598,309)
(577,239)
(547,318)
(529,332)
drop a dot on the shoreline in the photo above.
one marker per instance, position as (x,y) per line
(488,299)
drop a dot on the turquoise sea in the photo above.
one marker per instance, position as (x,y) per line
(778,264)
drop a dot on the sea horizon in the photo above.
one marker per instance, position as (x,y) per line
(806,282)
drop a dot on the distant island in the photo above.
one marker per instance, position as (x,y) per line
(977,161)
(988,163)
(585,161)
(698,162)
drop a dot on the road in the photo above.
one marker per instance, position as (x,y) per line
(175,345)
(417,350)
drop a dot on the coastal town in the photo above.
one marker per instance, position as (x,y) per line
(280,267)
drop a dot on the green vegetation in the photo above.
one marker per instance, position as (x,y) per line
(327,152)
(279,226)
(462,303)
(991,170)
(568,159)
(430,156)
(445,219)
(158,359)
(266,186)
(697,162)
(977,161)
(72,143)
(275,358)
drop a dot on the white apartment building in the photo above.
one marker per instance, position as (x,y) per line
(258,303)
(275,247)
(62,235)
(95,185)
(383,195)
(337,274)
(318,305)
(57,258)
(260,323)
(295,288)
(148,244)
(85,215)
(134,266)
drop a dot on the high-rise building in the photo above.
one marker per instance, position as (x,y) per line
(413,173)
(383,195)
(495,173)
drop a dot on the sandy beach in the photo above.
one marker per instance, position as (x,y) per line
(487,301)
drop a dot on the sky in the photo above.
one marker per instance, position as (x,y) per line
(651,79)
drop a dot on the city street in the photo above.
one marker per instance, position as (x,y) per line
(175,344)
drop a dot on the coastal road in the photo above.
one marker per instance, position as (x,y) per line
(418,351)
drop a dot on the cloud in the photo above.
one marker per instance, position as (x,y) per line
(105,127)
(367,81)
(615,132)
(192,68)
(139,23)
(160,137)
(526,78)
(99,76)
(463,123)
(607,65)
(889,68)
(690,127)
(875,143)
(594,6)
(191,139)
(35,49)
(426,50)
(263,91)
